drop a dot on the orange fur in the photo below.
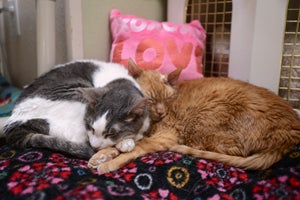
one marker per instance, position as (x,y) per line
(219,119)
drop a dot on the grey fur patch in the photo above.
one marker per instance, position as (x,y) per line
(81,150)
(120,101)
(61,82)
(18,133)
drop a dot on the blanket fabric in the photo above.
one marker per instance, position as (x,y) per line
(43,174)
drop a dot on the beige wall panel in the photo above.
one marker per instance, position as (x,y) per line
(96,32)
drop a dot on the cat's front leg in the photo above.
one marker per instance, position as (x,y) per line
(119,161)
(102,156)
(160,141)
(110,153)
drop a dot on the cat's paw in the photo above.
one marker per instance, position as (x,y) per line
(106,168)
(126,145)
(95,161)
(102,156)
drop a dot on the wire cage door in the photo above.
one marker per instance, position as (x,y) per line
(215,17)
(289,86)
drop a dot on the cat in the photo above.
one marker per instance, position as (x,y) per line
(80,107)
(219,119)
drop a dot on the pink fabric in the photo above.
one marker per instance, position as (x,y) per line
(156,45)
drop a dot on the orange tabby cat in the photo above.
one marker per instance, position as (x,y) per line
(220,119)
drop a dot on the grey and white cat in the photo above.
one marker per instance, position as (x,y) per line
(79,107)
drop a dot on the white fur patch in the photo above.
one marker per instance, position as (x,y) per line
(65,117)
(109,72)
(97,139)
(144,128)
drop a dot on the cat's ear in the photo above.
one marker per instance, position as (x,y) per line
(89,95)
(92,94)
(139,109)
(133,69)
(173,76)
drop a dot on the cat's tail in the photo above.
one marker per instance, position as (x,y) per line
(257,161)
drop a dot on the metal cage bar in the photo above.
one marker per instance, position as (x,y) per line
(289,86)
(215,17)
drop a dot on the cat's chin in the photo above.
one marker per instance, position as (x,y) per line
(156,118)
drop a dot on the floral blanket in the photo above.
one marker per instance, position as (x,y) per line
(44,174)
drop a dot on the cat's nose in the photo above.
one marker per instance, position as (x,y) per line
(96,149)
(160,112)
(160,109)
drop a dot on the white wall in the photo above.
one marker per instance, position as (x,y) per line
(257,33)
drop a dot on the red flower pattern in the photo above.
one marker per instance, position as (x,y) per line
(124,174)
(159,194)
(38,176)
(276,188)
(161,158)
(30,174)
(82,193)
(222,176)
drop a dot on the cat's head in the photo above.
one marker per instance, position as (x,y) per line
(158,88)
(114,114)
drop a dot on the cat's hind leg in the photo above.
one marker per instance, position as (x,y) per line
(18,133)
(35,133)
(81,150)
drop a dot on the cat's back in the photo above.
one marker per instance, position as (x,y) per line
(57,89)
(227,88)
(58,81)
(228,95)
(212,89)
(209,84)
(81,73)
(109,72)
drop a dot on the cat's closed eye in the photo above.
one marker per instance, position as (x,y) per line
(90,128)
(110,134)
(171,98)
(151,101)
(129,119)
